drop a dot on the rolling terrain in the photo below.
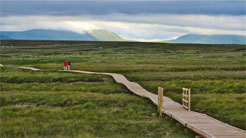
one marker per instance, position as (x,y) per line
(210,39)
(45,34)
(105,35)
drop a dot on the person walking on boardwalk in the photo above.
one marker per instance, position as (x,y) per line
(65,65)
(68,65)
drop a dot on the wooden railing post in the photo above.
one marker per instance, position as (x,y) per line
(189,92)
(160,100)
(186,98)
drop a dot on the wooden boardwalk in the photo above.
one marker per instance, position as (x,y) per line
(29,68)
(202,124)
(25,68)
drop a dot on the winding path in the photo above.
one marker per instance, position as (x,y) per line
(25,68)
(200,123)
(29,68)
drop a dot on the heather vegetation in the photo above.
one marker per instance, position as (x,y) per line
(50,103)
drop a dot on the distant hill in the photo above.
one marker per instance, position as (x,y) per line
(210,39)
(44,34)
(3,37)
(162,41)
(104,35)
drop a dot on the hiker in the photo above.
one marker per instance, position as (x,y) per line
(68,65)
(65,65)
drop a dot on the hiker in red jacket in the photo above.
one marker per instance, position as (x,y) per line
(65,65)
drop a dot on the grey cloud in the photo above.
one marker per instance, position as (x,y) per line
(71,8)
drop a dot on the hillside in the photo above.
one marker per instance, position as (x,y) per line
(104,35)
(3,37)
(45,34)
(210,39)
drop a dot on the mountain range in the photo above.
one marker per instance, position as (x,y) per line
(44,34)
(210,39)
(104,35)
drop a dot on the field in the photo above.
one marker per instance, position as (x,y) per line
(49,103)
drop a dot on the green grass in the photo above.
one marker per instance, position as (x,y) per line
(57,104)
(215,74)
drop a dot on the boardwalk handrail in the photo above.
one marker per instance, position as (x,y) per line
(186,98)
(160,100)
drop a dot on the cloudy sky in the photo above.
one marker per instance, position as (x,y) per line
(145,20)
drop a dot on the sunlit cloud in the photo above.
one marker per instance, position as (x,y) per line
(134,27)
